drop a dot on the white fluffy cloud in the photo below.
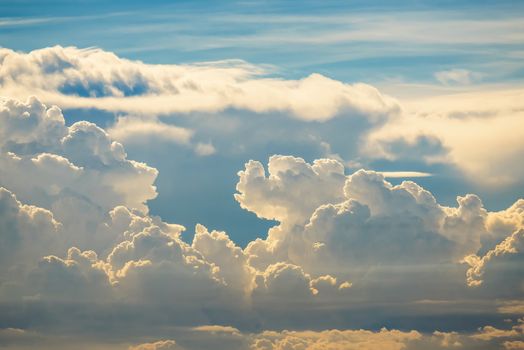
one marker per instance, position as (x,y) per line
(365,196)
(49,158)
(156,267)
(230,259)
(84,237)
(292,189)
(514,244)
(79,276)
(27,233)
(93,78)
(367,223)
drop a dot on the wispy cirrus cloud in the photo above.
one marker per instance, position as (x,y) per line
(404,174)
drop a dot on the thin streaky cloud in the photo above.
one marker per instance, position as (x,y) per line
(404,174)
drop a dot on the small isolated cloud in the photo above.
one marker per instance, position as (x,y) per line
(133,129)
(404,174)
(204,149)
(457,77)
(158,345)
(216,329)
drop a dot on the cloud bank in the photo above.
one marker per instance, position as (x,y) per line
(75,231)
(93,78)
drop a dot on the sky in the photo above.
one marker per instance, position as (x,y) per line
(261,175)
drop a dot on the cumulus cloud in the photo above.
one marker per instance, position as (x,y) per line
(117,253)
(230,259)
(75,229)
(330,224)
(80,276)
(226,337)
(448,339)
(50,158)
(284,282)
(291,190)
(490,332)
(26,234)
(156,267)
(511,245)
(349,214)
(150,265)
(93,78)
(335,339)
(358,224)
(487,337)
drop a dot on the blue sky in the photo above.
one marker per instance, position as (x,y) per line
(352,41)
(261,174)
